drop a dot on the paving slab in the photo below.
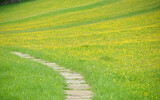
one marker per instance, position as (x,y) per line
(78,86)
(74,77)
(78,92)
(75,81)
(64,70)
(37,60)
(29,57)
(51,64)
(78,97)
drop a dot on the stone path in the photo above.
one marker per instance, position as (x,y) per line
(77,88)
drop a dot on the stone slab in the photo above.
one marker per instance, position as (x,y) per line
(78,97)
(75,81)
(78,86)
(74,77)
(78,92)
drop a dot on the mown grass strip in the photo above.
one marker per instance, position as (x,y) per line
(90,21)
(67,10)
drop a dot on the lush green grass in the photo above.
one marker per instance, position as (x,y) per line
(24,79)
(114,44)
(35,8)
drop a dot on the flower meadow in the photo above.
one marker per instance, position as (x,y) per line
(113,44)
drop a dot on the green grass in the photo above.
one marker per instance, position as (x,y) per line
(24,79)
(113,44)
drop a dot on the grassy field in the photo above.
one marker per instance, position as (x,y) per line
(22,79)
(114,44)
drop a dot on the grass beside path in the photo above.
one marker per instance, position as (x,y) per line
(23,79)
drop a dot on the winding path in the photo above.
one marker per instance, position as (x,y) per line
(77,88)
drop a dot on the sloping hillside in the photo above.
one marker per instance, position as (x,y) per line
(114,44)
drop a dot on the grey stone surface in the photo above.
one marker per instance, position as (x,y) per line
(64,70)
(74,77)
(78,92)
(28,57)
(78,86)
(77,99)
(75,81)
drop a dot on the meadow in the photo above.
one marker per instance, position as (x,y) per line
(114,44)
